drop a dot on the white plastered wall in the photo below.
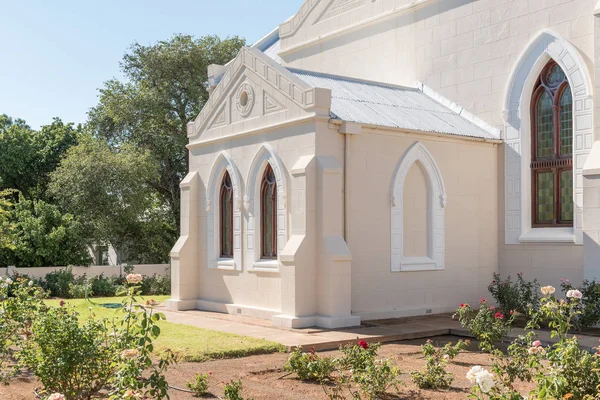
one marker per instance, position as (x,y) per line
(465,50)
(470,233)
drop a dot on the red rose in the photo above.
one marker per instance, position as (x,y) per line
(499,315)
(363,344)
(62,303)
(483,300)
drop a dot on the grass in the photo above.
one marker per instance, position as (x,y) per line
(190,343)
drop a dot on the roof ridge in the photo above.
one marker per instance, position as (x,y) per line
(352,79)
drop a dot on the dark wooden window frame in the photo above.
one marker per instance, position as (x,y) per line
(555,163)
(268,253)
(226,190)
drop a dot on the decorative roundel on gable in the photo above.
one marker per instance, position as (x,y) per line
(245,99)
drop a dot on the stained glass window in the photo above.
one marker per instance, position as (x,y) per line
(545,193)
(226,206)
(552,141)
(269,213)
(545,126)
(566,123)
(566,195)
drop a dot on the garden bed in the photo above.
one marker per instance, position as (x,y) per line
(261,375)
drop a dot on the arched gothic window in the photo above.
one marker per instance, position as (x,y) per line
(226,217)
(268,204)
(552,149)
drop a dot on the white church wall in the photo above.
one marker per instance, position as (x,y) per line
(465,50)
(471,225)
(245,287)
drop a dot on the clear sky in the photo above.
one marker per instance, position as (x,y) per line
(54,55)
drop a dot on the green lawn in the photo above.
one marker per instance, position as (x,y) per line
(189,343)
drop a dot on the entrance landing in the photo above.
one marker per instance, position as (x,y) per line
(321,339)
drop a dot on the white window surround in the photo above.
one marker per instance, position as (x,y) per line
(223,163)
(265,155)
(517,135)
(435,219)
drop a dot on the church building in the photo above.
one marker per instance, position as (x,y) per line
(373,159)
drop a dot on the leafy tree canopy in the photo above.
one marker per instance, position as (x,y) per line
(108,187)
(28,156)
(43,236)
(164,90)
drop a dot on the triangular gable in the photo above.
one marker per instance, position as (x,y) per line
(286,83)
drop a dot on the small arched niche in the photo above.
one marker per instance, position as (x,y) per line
(418,202)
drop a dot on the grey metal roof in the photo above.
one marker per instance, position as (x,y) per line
(270,45)
(380,104)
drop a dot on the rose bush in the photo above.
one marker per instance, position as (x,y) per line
(561,371)
(488,325)
(434,375)
(81,360)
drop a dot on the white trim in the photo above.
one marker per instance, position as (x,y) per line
(212,202)
(517,133)
(265,155)
(548,235)
(436,205)
(265,266)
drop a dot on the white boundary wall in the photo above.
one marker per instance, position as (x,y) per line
(108,270)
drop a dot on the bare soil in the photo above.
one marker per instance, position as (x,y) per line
(262,375)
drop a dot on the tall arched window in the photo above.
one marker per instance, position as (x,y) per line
(552,149)
(268,204)
(226,217)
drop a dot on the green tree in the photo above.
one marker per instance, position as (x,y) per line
(110,188)
(43,236)
(28,156)
(6,226)
(164,90)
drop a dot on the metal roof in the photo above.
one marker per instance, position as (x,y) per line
(380,104)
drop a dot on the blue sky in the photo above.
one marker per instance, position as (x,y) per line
(56,54)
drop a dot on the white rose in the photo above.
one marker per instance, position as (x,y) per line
(30,284)
(472,374)
(574,294)
(9,281)
(56,396)
(485,380)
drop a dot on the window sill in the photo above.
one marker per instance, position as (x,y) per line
(419,264)
(548,235)
(265,266)
(225,263)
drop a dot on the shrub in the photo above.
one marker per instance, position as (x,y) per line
(309,366)
(434,375)
(589,306)
(80,290)
(377,379)
(560,371)
(156,285)
(57,282)
(20,303)
(199,386)
(360,374)
(135,335)
(67,357)
(78,360)
(233,389)
(520,296)
(358,357)
(102,286)
(486,324)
